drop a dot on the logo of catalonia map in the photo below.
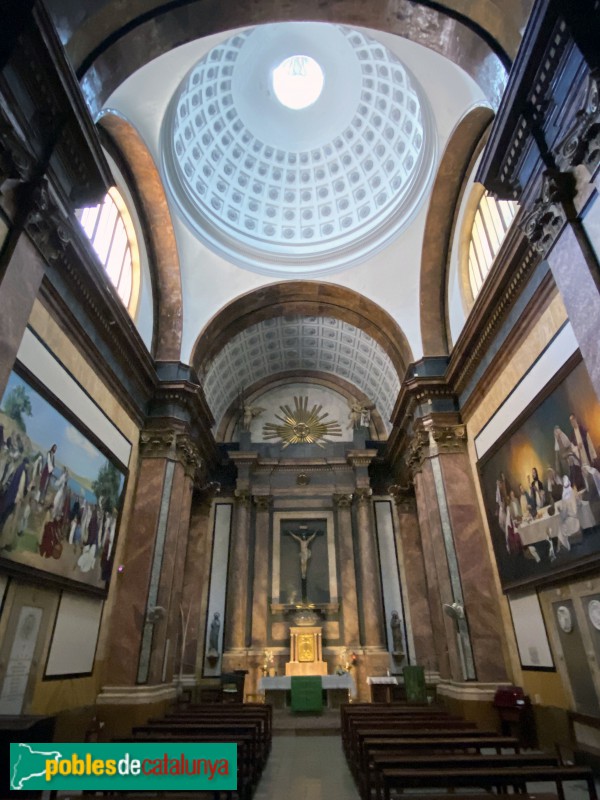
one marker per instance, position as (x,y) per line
(30,764)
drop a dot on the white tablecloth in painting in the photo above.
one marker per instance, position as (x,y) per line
(538,529)
(284,682)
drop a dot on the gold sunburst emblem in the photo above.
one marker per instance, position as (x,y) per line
(301,425)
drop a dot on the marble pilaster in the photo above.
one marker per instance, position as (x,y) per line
(343,504)
(166,644)
(144,639)
(578,282)
(446,499)
(237,582)
(476,573)
(196,580)
(370,581)
(260,592)
(131,587)
(438,578)
(417,590)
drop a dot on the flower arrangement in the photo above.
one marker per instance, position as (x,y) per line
(347,661)
(268,661)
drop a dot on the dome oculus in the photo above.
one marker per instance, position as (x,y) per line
(298,82)
(306,193)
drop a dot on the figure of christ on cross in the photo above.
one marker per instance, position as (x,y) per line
(304,538)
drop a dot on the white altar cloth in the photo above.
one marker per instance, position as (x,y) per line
(284,682)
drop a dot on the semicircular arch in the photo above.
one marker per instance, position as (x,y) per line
(159,233)
(309,298)
(454,168)
(459,37)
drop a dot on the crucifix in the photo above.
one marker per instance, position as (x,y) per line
(304,537)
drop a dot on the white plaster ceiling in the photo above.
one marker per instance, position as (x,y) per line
(389,278)
(279,190)
(301,343)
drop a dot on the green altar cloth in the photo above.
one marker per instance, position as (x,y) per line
(414,683)
(307,693)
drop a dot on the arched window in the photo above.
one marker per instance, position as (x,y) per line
(109,228)
(492,220)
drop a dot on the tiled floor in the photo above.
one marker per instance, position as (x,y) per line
(306,768)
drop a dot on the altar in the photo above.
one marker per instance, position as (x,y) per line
(339,689)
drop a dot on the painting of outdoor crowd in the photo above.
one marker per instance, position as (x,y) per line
(59,495)
(542,486)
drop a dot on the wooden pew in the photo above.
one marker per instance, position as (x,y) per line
(260,714)
(378,760)
(351,712)
(224,732)
(393,728)
(499,778)
(248,774)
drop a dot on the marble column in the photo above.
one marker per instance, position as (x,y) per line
(417,589)
(148,592)
(260,588)
(343,504)
(370,581)
(236,636)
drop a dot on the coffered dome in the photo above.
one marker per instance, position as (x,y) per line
(282,188)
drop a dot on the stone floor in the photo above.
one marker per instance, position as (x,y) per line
(306,768)
(287,724)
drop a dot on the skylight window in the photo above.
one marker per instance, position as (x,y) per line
(298,82)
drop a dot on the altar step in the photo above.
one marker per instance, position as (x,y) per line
(285,723)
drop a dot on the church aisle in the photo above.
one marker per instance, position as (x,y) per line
(306,768)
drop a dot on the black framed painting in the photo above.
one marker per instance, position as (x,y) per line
(61,491)
(541,484)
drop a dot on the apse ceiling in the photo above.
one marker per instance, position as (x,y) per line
(301,344)
(298,147)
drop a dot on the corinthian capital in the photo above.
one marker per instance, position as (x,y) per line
(582,143)
(242,497)
(548,216)
(342,500)
(363,494)
(263,502)
(173,445)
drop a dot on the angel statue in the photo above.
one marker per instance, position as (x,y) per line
(249,413)
(359,414)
